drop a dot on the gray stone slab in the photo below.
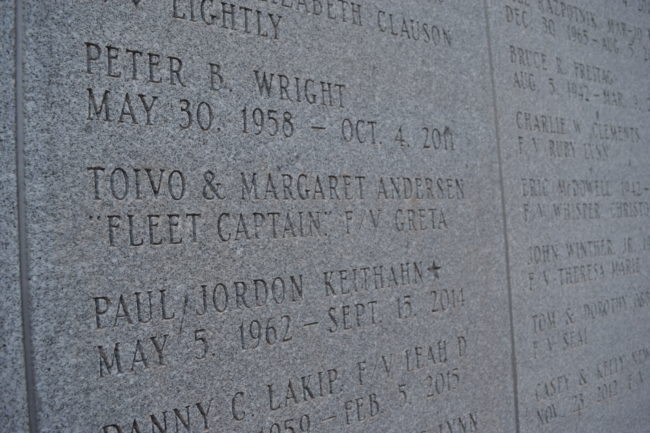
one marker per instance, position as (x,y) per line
(343,227)
(13,407)
(573,97)
(308,216)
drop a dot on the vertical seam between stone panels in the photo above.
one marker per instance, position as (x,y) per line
(513,356)
(23,257)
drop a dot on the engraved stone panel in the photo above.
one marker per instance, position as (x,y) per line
(297,216)
(13,407)
(573,95)
(265,216)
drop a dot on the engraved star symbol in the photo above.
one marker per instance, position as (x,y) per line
(435,268)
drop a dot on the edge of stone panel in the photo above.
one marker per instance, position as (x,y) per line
(13,401)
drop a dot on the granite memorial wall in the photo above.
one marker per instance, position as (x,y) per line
(297,216)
